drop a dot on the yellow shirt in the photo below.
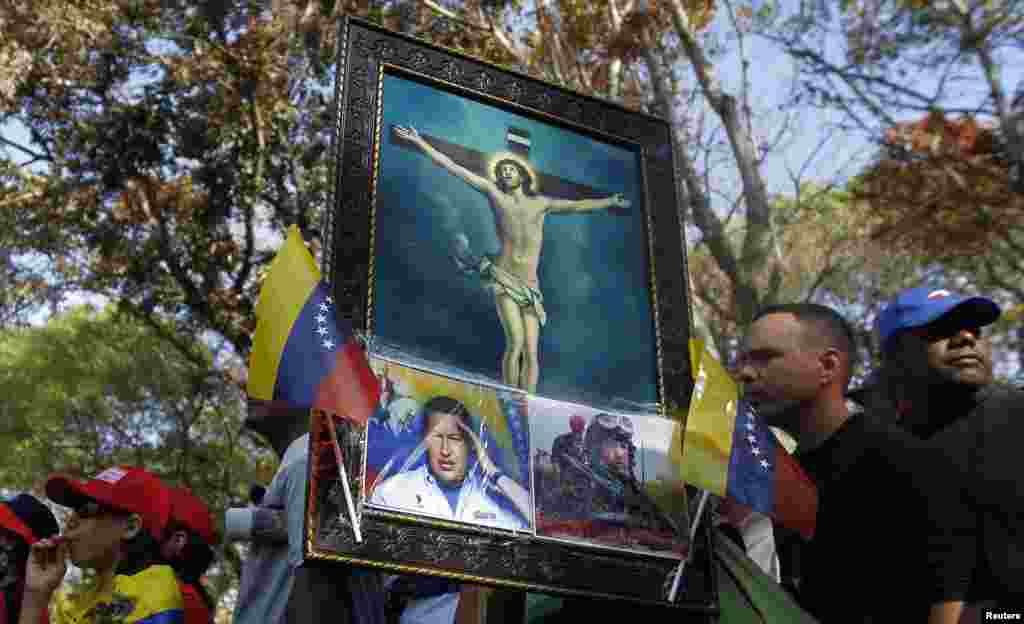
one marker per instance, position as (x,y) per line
(149,597)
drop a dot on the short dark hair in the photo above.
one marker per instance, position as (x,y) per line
(825,322)
(139,552)
(445,405)
(525,179)
(196,558)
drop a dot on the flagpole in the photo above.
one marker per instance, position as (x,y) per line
(693,535)
(343,473)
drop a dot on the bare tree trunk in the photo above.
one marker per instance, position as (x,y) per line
(754,253)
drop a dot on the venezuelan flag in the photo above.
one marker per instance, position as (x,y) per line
(727,451)
(301,355)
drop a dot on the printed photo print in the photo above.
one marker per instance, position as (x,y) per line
(512,248)
(449,450)
(605,479)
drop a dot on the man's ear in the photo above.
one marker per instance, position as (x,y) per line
(132,526)
(832,365)
(176,543)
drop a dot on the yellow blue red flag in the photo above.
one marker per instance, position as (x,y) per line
(301,355)
(726,450)
(151,596)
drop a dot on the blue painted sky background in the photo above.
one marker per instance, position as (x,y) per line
(598,344)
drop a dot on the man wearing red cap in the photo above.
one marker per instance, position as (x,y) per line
(23,522)
(188,547)
(117,520)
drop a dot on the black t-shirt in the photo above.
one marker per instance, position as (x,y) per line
(988,448)
(891,534)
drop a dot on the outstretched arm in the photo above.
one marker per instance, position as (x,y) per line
(480,183)
(615,204)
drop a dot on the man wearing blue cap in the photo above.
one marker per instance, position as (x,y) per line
(937,367)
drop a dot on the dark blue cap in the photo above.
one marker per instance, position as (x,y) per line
(27,517)
(916,307)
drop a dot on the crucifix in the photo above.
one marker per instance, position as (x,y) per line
(520,199)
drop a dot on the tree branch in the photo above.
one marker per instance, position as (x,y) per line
(721,309)
(242,277)
(35,156)
(741,44)
(201,305)
(699,203)
(615,66)
(996,278)
(161,331)
(849,78)
(1007,121)
(746,157)
(495,31)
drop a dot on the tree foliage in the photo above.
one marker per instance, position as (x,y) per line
(941,187)
(173,135)
(931,84)
(167,137)
(824,251)
(91,389)
(928,83)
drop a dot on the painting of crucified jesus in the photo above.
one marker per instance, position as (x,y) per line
(508,246)
(512,274)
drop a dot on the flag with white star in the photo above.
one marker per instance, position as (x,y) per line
(302,356)
(727,450)
(752,462)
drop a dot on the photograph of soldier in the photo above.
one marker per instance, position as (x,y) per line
(567,450)
(607,480)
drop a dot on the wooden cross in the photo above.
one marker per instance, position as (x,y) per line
(518,142)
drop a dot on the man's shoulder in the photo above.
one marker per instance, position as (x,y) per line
(293,464)
(296,452)
(885,434)
(407,477)
(998,411)
(152,591)
(159,575)
(1001,398)
(884,448)
(399,484)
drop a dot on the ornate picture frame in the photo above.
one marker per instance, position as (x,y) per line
(611,172)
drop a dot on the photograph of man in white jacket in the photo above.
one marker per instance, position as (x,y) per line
(450,485)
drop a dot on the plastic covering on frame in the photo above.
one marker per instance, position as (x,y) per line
(476,466)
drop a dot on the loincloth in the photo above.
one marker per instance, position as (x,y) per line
(501,282)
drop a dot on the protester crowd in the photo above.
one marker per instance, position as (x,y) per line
(145,543)
(919,518)
(920,507)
